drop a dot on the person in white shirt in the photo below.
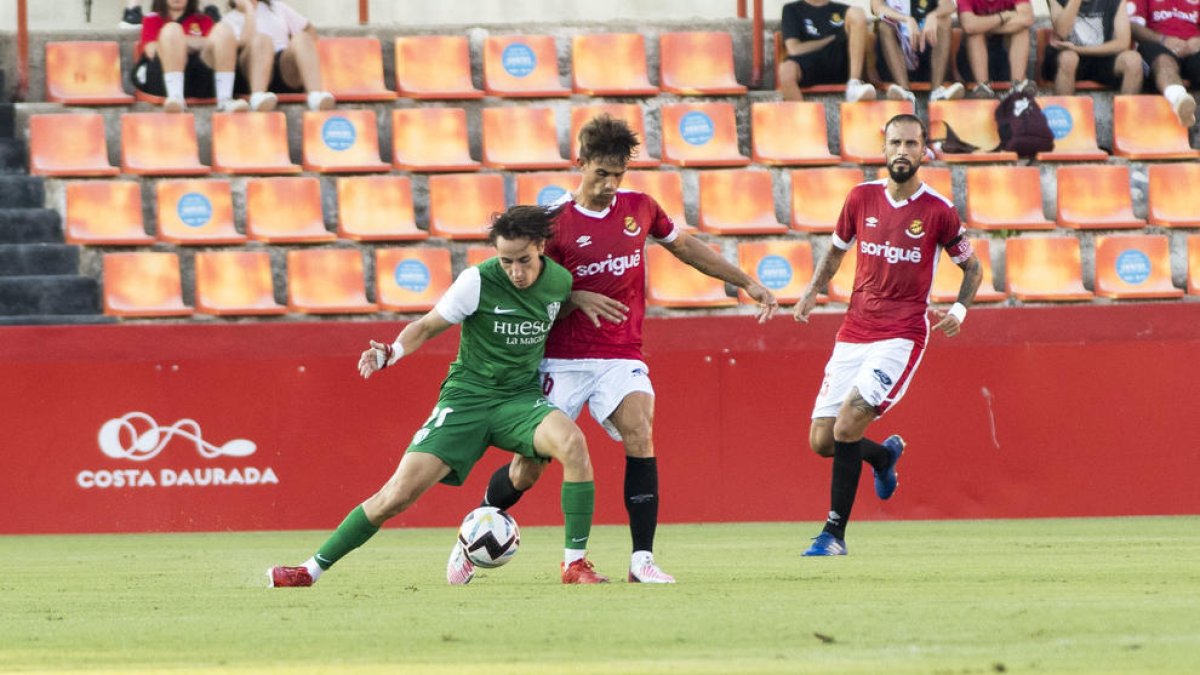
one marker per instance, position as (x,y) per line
(277,53)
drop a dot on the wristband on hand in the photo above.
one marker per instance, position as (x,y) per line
(391,354)
(958,311)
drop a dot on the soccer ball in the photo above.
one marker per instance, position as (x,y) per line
(489,537)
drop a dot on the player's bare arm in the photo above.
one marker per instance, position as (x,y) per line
(379,356)
(596,306)
(830,262)
(948,322)
(695,253)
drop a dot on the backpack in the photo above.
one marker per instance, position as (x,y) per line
(1022,125)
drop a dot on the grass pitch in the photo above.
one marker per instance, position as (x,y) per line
(1081,595)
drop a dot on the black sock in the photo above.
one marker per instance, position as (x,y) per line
(641,500)
(847,467)
(874,454)
(501,493)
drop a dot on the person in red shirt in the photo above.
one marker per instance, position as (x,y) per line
(1009,19)
(898,225)
(184,55)
(1168,37)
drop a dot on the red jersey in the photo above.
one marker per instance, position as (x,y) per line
(605,253)
(1173,18)
(897,248)
(194,25)
(988,7)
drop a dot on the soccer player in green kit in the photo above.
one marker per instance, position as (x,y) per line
(492,395)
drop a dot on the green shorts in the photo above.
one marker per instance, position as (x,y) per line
(464,424)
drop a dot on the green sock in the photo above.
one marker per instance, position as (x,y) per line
(578,502)
(354,531)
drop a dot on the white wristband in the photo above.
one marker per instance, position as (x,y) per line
(389,355)
(397,350)
(958,311)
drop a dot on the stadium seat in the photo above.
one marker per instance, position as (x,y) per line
(818,195)
(434,67)
(461,205)
(1044,269)
(327,281)
(521,138)
(738,201)
(69,145)
(431,140)
(1005,198)
(1095,196)
(610,64)
(1193,264)
(342,141)
(666,187)
(1134,266)
(698,64)
(521,66)
(1145,127)
(251,143)
(861,129)
(478,253)
(700,134)
(630,112)
(285,211)
(196,212)
(789,133)
(937,177)
(413,278)
(160,144)
(1042,36)
(352,69)
(84,73)
(841,286)
(235,283)
(376,208)
(673,283)
(1169,204)
(545,187)
(948,277)
(783,266)
(974,121)
(1073,121)
(143,284)
(105,212)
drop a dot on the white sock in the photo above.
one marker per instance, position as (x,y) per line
(314,570)
(224,85)
(570,555)
(174,82)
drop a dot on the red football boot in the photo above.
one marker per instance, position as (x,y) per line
(289,577)
(582,572)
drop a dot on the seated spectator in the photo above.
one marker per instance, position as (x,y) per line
(1168,38)
(1009,20)
(914,44)
(826,43)
(278,53)
(132,18)
(184,55)
(1091,42)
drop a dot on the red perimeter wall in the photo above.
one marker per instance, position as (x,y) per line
(1063,411)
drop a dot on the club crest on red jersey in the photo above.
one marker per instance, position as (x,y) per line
(632,228)
(915,229)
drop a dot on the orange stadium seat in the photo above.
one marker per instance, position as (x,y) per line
(431,140)
(672,283)
(160,144)
(1171,202)
(630,112)
(697,64)
(411,279)
(545,187)
(352,69)
(479,253)
(84,73)
(434,67)
(841,286)
(285,211)
(1044,269)
(700,134)
(1145,127)
(1042,36)
(327,281)
(377,208)
(235,283)
(665,187)
(342,141)
(521,66)
(818,195)
(251,143)
(948,277)
(1005,198)
(789,133)
(610,64)
(862,128)
(1073,121)
(1095,196)
(1133,266)
(738,201)
(937,177)
(461,205)
(1193,258)
(69,145)
(143,284)
(784,266)
(196,211)
(974,121)
(521,138)
(105,212)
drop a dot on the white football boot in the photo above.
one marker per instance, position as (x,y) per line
(642,570)
(459,568)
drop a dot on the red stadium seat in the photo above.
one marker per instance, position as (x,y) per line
(610,64)
(1073,121)
(1095,196)
(235,283)
(666,187)
(327,281)
(285,211)
(105,212)
(521,138)
(431,140)
(1005,198)
(478,253)
(1134,266)
(196,212)
(1170,200)
(160,144)
(341,141)
(434,67)
(948,277)
(787,133)
(784,266)
(819,194)
(461,205)
(1145,127)
(143,284)
(251,143)
(672,283)
(352,69)
(738,201)
(1044,269)
(698,64)
(84,73)
(630,112)
(545,187)
(377,208)
(700,134)
(69,145)
(862,128)
(521,66)
(974,121)
(413,278)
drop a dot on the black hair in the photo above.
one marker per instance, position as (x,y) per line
(534,223)
(908,117)
(606,137)
(160,7)
(233,5)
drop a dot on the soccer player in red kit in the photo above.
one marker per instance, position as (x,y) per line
(897,225)
(594,353)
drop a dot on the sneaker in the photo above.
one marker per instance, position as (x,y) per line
(582,572)
(232,105)
(289,577)
(948,92)
(459,568)
(644,571)
(1025,86)
(263,101)
(857,90)
(320,100)
(826,544)
(174,105)
(131,19)
(897,93)
(1185,110)
(887,480)
(982,90)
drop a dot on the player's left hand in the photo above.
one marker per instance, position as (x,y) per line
(767,304)
(946,322)
(373,359)
(597,306)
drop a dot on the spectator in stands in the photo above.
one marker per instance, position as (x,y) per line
(1091,42)
(132,18)
(1007,19)
(278,53)
(826,43)
(1169,40)
(915,44)
(184,54)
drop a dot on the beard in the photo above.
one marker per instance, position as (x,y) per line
(901,174)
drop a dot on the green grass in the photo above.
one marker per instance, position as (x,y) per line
(1082,595)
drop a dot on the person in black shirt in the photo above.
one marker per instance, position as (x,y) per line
(826,43)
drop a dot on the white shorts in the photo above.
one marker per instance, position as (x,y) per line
(880,371)
(600,383)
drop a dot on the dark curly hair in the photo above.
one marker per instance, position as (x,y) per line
(534,223)
(606,137)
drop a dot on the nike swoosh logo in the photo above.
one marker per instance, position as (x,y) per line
(501,310)
(321,558)
(578,540)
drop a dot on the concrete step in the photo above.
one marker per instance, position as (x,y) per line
(8,116)
(28,226)
(21,192)
(12,155)
(38,259)
(55,319)
(49,295)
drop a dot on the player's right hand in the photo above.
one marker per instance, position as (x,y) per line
(805,306)
(597,306)
(373,360)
